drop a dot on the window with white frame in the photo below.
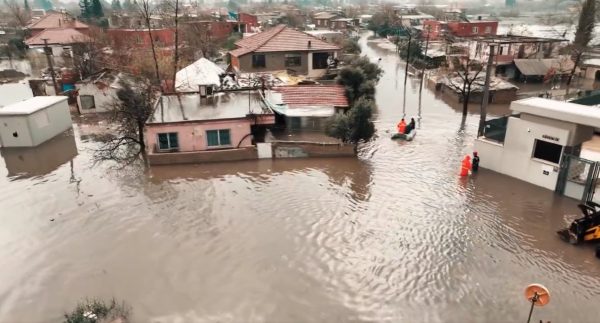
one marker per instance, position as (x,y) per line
(168,141)
(218,138)
(293,60)
(475,30)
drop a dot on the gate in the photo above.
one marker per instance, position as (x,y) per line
(578,177)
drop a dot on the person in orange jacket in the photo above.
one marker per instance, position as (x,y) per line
(401,126)
(466,166)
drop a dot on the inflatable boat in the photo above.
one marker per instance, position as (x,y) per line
(405,136)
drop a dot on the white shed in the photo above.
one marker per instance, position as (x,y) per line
(31,122)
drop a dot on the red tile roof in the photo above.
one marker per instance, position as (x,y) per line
(280,39)
(313,95)
(57,20)
(61,36)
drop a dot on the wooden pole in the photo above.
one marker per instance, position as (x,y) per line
(486,92)
(47,51)
(406,74)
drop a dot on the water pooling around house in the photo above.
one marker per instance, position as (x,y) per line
(392,236)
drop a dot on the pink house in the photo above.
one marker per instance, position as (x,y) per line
(186,128)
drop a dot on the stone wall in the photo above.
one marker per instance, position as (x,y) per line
(246,153)
(299,149)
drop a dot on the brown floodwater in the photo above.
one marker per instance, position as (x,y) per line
(394,235)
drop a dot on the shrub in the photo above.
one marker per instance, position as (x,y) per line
(95,311)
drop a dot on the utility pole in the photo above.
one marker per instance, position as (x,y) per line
(406,73)
(486,92)
(423,68)
(47,51)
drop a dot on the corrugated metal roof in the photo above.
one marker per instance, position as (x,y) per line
(60,36)
(280,39)
(536,66)
(313,96)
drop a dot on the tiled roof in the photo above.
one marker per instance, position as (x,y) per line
(313,96)
(325,15)
(280,39)
(60,36)
(57,20)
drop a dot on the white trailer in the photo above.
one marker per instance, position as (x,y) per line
(33,121)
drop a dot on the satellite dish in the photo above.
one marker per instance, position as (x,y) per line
(537,294)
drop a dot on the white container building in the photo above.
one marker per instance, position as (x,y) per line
(33,121)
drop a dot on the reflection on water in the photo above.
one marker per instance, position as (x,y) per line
(395,235)
(40,160)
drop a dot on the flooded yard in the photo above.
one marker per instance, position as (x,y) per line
(394,235)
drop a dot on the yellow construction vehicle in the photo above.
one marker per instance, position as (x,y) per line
(586,228)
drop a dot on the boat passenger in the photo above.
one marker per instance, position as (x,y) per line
(475,164)
(411,126)
(401,126)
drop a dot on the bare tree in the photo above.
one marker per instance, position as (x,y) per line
(467,72)
(20,16)
(583,34)
(129,112)
(146,13)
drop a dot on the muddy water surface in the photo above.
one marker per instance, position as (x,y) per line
(394,235)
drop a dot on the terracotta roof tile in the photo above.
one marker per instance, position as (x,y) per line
(60,36)
(305,95)
(57,20)
(280,39)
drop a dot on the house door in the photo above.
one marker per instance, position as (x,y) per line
(597,75)
(578,177)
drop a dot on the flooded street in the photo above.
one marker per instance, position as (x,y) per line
(394,235)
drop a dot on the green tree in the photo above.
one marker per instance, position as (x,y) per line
(86,8)
(116,5)
(44,4)
(356,124)
(351,46)
(97,10)
(356,83)
(127,6)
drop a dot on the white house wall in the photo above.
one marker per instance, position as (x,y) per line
(49,122)
(515,157)
(15,125)
(102,98)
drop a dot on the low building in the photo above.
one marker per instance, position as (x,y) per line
(501,92)
(60,40)
(323,20)
(33,121)
(307,107)
(507,48)
(98,92)
(538,69)
(409,16)
(591,69)
(344,24)
(282,48)
(541,145)
(208,30)
(189,128)
(330,36)
(436,29)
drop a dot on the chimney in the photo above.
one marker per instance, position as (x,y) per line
(309,43)
(478,17)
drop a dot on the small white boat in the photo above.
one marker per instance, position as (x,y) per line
(405,136)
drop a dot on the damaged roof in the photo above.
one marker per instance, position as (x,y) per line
(534,67)
(280,39)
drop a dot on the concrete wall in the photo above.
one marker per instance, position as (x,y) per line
(58,117)
(192,135)
(515,157)
(14,92)
(102,97)
(590,72)
(246,153)
(296,149)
